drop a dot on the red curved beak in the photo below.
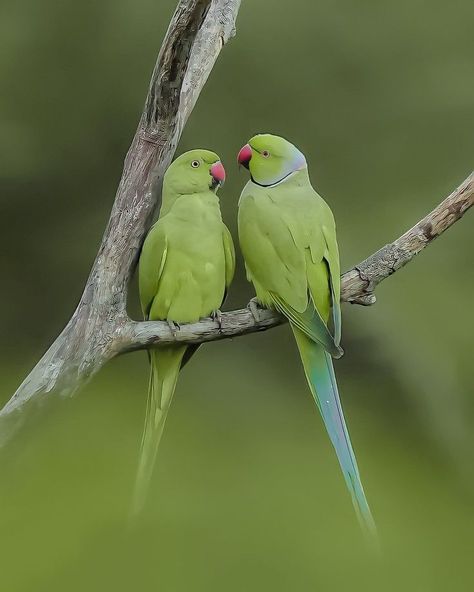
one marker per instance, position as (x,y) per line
(218,173)
(245,156)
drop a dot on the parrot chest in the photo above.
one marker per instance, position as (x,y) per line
(278,229)
(193,280)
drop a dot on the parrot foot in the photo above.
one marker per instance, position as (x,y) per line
(216,315)
(254,306)
(174,327)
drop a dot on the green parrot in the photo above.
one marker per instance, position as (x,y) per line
(287,235)
(186,265)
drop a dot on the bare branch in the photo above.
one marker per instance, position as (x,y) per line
(358,284)
(197,32)
(144,334)
(100,327)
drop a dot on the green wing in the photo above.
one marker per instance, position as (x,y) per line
(151,266)
(229,253)
(331,255)
(311,323)
(301,281)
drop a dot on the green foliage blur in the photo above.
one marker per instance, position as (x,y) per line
(248,496)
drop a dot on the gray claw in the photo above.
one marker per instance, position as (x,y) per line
(254,306)
(174,327)
(216,316)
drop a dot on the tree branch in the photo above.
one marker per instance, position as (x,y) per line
(100,328)
(357,285)
(197,32)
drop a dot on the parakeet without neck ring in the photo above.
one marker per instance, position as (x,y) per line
(287,235)
(186,265)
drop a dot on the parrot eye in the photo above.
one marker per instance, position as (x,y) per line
(265,154)
(195,164)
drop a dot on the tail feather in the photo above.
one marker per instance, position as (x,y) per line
(164,370)
(320,375)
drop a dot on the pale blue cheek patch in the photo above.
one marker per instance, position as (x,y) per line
(299,161)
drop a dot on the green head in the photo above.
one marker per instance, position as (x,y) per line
(271,159)
(195,171)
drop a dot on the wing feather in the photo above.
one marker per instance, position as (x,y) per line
(331,255)
(229,254)
(310,323)
(290,255)
(151,266)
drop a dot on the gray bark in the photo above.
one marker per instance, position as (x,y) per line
(197,32)
(100,328)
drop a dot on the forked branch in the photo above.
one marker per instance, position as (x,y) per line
(197,33)
(100,328)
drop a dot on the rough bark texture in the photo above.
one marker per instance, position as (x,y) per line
(197,32)
(100,328)
(359,283)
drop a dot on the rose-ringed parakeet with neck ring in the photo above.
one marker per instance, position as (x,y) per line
(288,238)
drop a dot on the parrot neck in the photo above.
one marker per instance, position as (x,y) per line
(191,201)
(298,177)
(196,207)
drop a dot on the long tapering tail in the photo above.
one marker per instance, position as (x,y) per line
(319,372)
(164,369)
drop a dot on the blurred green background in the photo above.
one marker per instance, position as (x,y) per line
(247,496)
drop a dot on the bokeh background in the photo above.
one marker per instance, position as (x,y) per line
(247,495)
